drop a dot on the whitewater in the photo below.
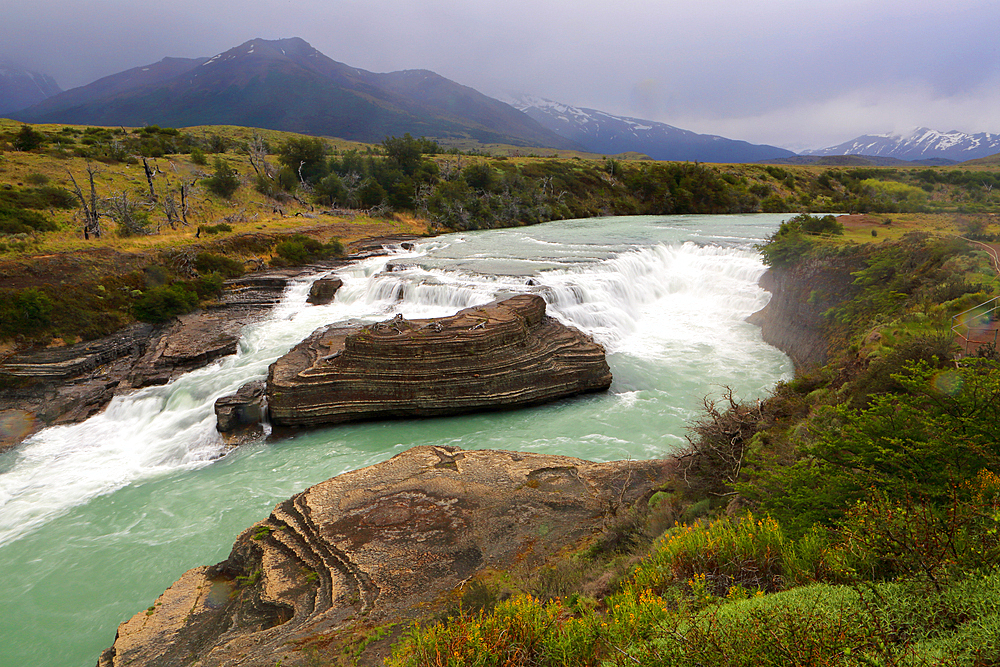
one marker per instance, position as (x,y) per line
(98,518)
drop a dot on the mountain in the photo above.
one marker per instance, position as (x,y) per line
(288,85)
(601,132)
(920,144)
(20,88)
(857,161)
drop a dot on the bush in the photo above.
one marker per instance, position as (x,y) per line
(216,229)
(20,221)
(198,157)
(28,139)
(206,262)
(300,249)
(225,181)
(162,303)
(25,312)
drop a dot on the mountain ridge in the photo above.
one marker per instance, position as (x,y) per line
(919,144)
(603,132)
(289,85)
(20,87)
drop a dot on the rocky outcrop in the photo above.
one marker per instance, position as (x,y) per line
(244,408)
(383,544)
(323,290)
(41,388)
(505,354)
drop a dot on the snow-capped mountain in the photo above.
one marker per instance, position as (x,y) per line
(20,88)
(920,144)
(601,132)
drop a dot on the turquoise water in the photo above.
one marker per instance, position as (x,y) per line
(97,519)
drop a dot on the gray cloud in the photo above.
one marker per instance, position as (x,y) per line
(795,73)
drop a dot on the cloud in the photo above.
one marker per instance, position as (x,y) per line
(798,72)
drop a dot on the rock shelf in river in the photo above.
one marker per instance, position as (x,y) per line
(504,354)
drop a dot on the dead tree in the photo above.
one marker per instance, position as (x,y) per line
(149,178)
(130,217)
(257,150)
(91,212)
(170,209)
(185,190)
(718,442)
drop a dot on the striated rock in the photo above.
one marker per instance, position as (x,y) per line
(244,408)
(385,544)
(505,354)
(323,290)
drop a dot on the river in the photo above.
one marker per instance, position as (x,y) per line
(98,518)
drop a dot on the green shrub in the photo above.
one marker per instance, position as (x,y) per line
(300,249)
(206,262)
(21,221)
(25,312)
(159,304)
(225,181)
(216,229)
(198,157)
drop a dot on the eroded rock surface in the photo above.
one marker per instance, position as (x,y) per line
(384,543)
(323,290)
(64,385)
(244,408)
(501,355)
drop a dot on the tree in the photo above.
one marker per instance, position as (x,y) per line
(91,211)
(225,181)
(404,152)
(306,156)
(27,139)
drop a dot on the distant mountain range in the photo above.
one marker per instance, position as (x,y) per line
(288,85)
(857,161)
(601,132)
(20,88)
(920,144)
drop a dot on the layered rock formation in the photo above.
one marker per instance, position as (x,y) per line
(502,355)
(384,543)
(64,385)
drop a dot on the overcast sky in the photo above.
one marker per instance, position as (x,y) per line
(793,73)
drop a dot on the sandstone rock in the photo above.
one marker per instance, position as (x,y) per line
(384,543)
(244,408)
(323,290)
(505,354)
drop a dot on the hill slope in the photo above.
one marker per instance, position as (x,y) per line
(289,85)
(601,132)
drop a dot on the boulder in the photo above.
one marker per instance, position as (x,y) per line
(244,408)
(323,290)
(384,544)
(505,354)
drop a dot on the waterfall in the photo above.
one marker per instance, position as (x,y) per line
(149,482)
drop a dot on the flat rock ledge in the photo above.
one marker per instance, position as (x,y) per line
(505,354)
(387,543)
